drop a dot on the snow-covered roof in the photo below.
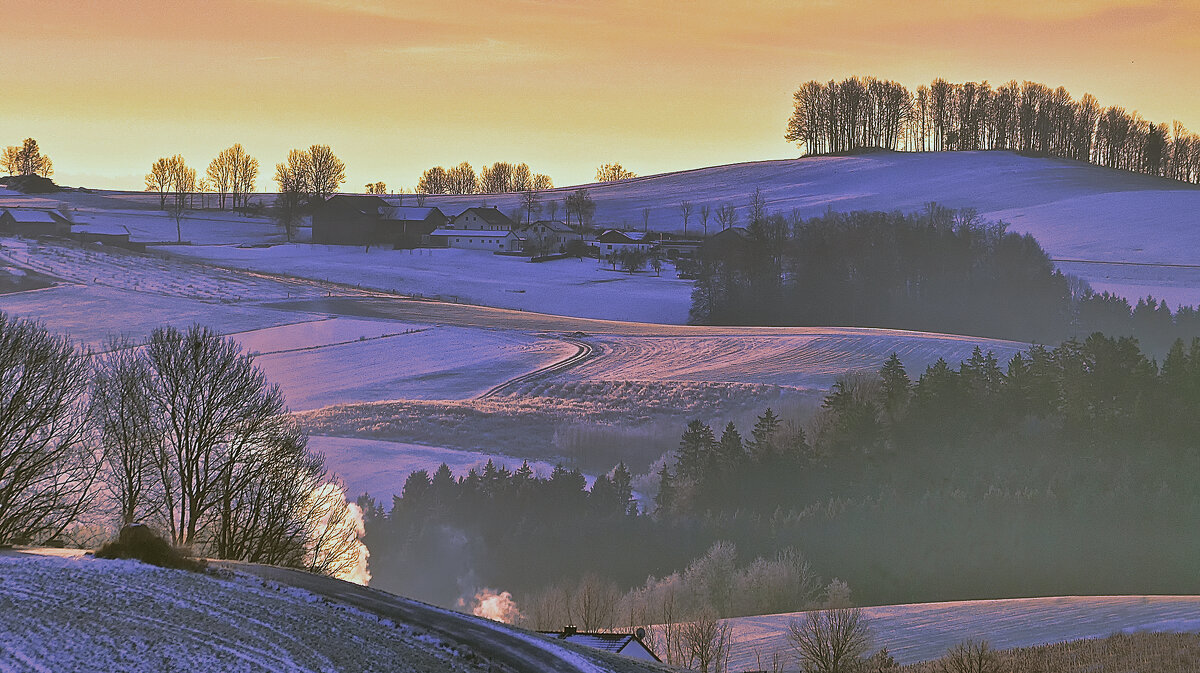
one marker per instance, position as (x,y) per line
(409,213)
(552,225)
(29,216)
(490,215)
(476,233)
(100,229)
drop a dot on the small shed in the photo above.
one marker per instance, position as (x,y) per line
(612,241)
(32,222)
(626,644)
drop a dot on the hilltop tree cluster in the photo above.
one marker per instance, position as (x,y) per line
(26,159)
(181,432)
(498,178)
(858,113)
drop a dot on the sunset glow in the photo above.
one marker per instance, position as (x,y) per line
(106,87)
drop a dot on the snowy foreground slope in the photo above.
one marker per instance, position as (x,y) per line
(79,613)
(1124,232)
(924,631)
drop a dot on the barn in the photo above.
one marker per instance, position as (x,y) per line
(32,222)
(347,219)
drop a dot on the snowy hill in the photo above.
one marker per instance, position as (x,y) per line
(1077,211)
(70,612)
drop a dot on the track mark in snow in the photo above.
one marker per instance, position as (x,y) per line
(584,352)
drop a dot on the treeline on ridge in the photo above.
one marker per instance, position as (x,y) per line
(937,270)
(857,113)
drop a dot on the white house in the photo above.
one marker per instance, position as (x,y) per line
(482,219)
(548,235)
(477,239)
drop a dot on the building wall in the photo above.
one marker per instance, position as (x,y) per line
(338,225)
(470,240)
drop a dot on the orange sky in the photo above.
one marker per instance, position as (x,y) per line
(395,87)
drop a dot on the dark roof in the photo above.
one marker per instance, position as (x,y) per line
(608,642)
(408,213)
(489,215)
(617,236)
(363,204)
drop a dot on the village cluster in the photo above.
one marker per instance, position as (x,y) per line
(373,220)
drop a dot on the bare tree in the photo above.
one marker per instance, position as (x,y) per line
(830,641)
(552,208)
(529,201)
(542,182)
(580,203)
(706,643)
(971,657)
(705,209)
(326,172)
(685,209)
(289,177)
(26,160)
(462,179)
(727,215)
(122,416)
(159,180)
(244,175)
(220,176)
(613,172)
(376,188)
(646,219)
(47,470)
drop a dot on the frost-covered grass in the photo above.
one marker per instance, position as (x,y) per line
(60,614)
(921,632)
(1119,653)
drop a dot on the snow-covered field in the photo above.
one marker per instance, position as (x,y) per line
(345,360)
(806,361)
(920,632)
(380,467)
(74,614)
(571,287)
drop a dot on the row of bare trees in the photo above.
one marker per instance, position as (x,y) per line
(26,159)
(182,432)
(314,173)
(1030,117)
(498,178)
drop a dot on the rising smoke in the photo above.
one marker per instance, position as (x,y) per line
(496,606)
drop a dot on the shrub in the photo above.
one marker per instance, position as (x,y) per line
(138,541)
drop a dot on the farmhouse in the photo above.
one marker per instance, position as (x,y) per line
(626,644)
(33,222)
(613,241)
(369,220)
(481,219)
(476,239)
(547,236)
